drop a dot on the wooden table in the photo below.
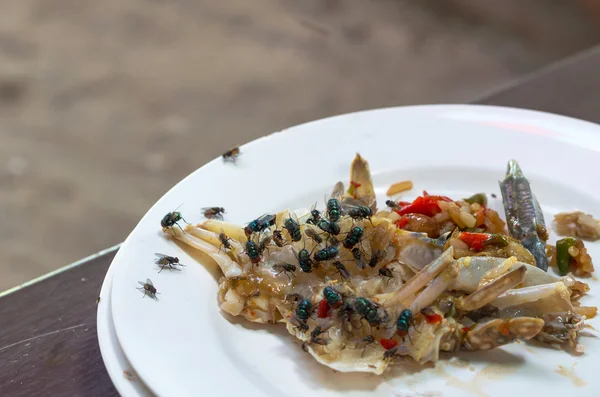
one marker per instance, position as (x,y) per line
(48,343)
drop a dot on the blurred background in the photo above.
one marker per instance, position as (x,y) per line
(104,105)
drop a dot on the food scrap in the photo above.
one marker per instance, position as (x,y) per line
(399,187)
(577,224)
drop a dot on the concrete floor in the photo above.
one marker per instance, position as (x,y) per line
(104,105)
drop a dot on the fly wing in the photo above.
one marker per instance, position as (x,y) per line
(267,219)
(338,190)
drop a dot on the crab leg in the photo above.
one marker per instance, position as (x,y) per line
(532,294)
(232,230)
(228,267)
(435,288)
(490,291)
(496,272)
(420,279)
(498,332)
(212,238)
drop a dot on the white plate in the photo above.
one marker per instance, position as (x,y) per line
(114,358)
(181,345)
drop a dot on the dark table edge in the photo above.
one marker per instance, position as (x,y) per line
(60,270)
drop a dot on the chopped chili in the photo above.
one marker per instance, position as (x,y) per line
(475,241)
(324,309)
(400,223)
(388,344)
(433,318)
(422,205)
(441,198)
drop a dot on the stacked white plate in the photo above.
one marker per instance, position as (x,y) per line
(181,345)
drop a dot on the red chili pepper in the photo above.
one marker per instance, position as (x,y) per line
(441,198)
(323,311)
(475,241)
(355,184)
(388,344)
(422,205)
(466,329)
(403,203)
(505,331)
(400,223)
(433,318)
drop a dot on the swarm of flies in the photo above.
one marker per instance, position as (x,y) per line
(148,288)
(347,314)
(278,238)
(224,241)
(392,205)
(166,261)
(315,338)
(303,311)
(315,215)
(341,269)
(172,219)
(390,353)
(260,224)
(364,343)
(231,155)
(385,272)
(358,259)
(286,268)
(293,229)
(305,262)
(213,212)
(310,233)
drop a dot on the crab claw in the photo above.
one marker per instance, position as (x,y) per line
(418,281)
(498,332)
(492,290)
(435,288)
(206,244)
